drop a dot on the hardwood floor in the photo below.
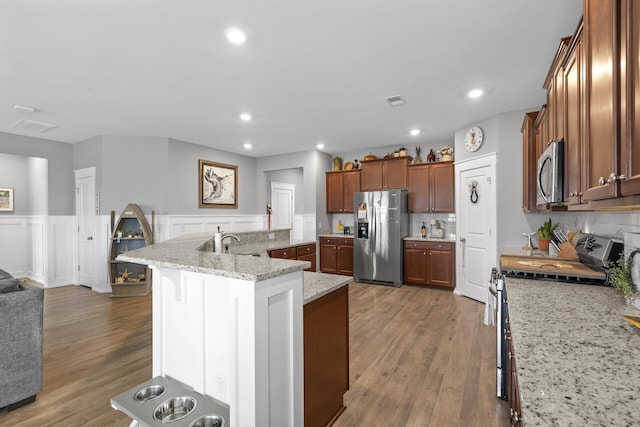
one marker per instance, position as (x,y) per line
(419,357)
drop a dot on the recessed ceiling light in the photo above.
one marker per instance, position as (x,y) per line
(247,146)
(475,93)
(235,35)
(245,117)
(23,108)
(320,146)
(414,132)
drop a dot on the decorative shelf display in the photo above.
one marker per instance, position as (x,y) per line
(131,232)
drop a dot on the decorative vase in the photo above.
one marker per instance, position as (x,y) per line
(543,244)
(431,157)
(447,157)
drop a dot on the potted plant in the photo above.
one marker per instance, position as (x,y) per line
(544,234)
(621,279)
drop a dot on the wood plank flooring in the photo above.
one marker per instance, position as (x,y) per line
(419,357)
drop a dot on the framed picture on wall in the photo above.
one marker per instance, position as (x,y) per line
(6,199)
(218,185)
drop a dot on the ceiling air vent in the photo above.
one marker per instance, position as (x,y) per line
(395,101)
(32,126)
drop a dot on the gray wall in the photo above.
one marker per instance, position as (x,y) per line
(289,176)
(37,185)
(13,174)
(183,180)
(60,167)
(314,164)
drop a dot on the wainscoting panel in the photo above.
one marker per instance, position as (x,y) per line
(13,245)
(61,251)
(36,249)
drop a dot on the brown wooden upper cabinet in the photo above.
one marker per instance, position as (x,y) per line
(574,120)
(602,137)
(529,161)
(431,187)
(630,98)
(384,174)
(339,190)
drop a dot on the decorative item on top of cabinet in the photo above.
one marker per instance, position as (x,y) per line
(131,232)
(446,153)
(418,158)
(431,157)
(384,174)
(337,164)
(340,187)
(431,187)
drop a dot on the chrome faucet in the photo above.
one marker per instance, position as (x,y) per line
(224,236)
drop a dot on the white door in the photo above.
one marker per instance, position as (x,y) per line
(85,213)
(282,198)
(476,219)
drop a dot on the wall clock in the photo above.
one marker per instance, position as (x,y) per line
(473,139)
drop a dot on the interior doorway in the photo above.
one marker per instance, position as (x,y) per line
(85,214)
(282,203)
(476,211)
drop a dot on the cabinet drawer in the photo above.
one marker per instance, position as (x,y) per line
(442,246)
(306,249)
(337,241)
(288,253)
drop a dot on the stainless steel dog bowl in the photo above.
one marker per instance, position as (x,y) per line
(150,392)
(208,421)
(174,409)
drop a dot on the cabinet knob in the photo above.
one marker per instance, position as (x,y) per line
(601,181)
(613,178)
(515,417)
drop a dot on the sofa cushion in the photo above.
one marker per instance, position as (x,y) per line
(10,285)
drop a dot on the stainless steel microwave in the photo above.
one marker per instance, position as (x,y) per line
(551,174)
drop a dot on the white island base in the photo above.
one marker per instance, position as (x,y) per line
(239,341)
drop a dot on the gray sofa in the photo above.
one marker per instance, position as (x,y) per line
(21,309)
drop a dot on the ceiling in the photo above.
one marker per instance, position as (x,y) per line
(310,72)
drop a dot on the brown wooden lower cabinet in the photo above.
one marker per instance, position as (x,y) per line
(429,263)
(336,255)
(326,357)
(300,253)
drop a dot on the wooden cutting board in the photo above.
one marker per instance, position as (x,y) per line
(549,265)
(635,321)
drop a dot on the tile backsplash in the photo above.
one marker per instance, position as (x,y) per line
(415,222)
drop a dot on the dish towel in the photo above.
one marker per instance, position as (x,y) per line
(489,318)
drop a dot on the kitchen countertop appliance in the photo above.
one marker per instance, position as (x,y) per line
(381,221)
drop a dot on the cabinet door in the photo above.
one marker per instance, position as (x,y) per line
(630,91)
(350,185)
(441,187)
(371,178)
(308,257)
(415,262)
(345,260)
(394,173)
(573,127)
(328,257)
(418,188)
(529,161)
(602,61)
(286,253)
(440,268)
(334,192)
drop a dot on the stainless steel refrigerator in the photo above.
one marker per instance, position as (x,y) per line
(381,221)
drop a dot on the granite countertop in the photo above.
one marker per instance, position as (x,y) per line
(182,253)
(578,360)
(451,239)
(318,284)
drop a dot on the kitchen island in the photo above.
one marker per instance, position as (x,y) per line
(231,325)
(577,358)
